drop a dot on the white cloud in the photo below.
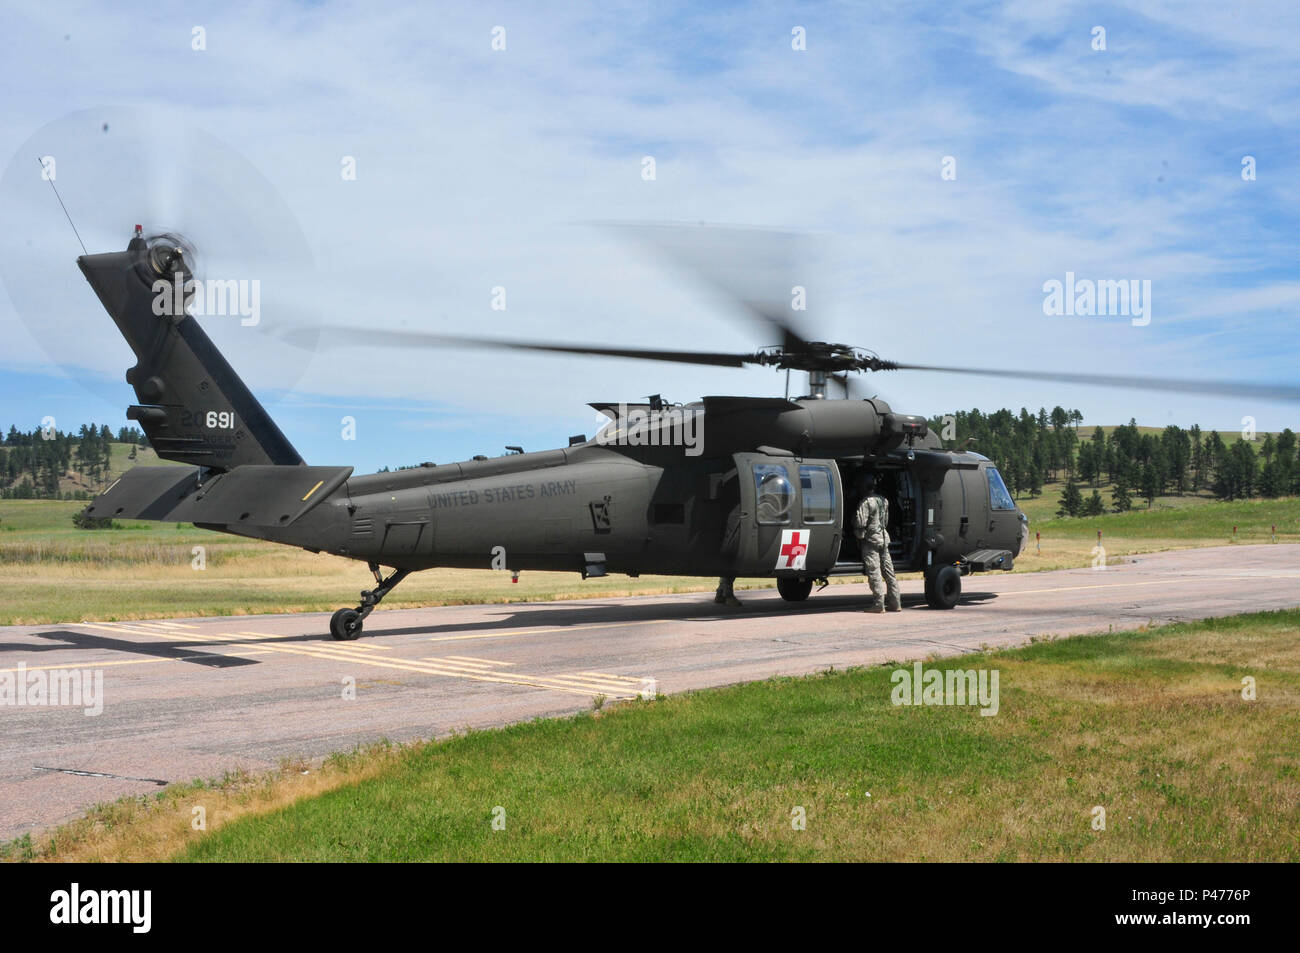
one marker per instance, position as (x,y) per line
(474,165)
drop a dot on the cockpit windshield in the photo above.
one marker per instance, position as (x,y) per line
(999,498)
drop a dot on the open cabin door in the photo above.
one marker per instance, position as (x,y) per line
(791,511)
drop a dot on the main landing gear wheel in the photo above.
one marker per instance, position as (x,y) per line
(942,587)
(794,590)
(345,625)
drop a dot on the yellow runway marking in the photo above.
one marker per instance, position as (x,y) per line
(473,664)
(471,658)
(134,661)
(346,646)
(221,638)
(466,667)
(505,633)
(120,627)
(331,654)
(608,685)
(604,685)
(607,675)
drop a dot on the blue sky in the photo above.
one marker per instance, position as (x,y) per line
(476,169)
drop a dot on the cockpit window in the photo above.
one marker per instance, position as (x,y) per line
(999,498)
(818,494)
(775,494)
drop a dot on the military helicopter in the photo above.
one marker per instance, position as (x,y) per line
(725,486)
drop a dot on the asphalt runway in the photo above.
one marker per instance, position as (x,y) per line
(190,698)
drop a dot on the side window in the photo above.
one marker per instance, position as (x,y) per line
(999,498)
(818,490)
(775,494)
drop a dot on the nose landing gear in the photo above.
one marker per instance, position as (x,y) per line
(942,586)
(345,625)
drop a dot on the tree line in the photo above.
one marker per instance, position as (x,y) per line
(1032,450)
(33,464)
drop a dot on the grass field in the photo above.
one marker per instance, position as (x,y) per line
(1149,725)
(52,572)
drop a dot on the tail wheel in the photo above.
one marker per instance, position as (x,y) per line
(794,590)
(345,625)
(943,587)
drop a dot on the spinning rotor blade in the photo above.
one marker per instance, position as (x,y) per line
(754,268)
(430,339)
(116,167)
(1262,391)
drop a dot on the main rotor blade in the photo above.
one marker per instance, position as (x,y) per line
(755,268)
(1261,391)
(431,339)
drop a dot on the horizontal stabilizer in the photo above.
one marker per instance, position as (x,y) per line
(251,495)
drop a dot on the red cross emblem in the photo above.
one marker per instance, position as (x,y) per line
(794,549)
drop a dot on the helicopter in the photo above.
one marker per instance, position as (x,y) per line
(726,486)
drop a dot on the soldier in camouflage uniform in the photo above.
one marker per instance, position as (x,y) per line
(726,595)
(869,524)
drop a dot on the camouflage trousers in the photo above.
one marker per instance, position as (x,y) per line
(879,569)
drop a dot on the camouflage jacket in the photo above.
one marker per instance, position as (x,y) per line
(870,520)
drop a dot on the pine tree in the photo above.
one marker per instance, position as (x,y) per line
(1149,481)
(1271,483)
(1095,505)
(1071,500)
(1086,463)
(1119,497)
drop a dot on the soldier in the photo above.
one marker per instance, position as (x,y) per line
(869,524)
(725,596)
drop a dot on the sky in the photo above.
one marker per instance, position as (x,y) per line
(937,163)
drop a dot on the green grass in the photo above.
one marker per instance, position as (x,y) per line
(1150,725)
(1176,517)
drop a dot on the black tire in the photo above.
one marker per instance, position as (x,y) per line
(794,590)
(943,587)
(345,625)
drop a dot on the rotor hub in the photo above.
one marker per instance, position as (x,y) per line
(823,357)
